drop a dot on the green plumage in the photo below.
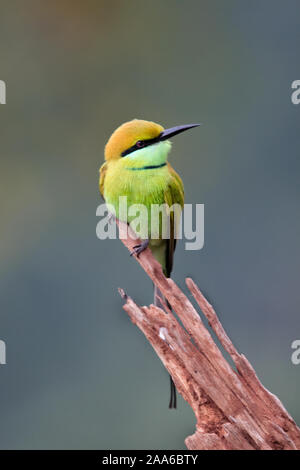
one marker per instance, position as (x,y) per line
(161,185)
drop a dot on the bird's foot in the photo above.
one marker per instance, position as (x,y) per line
(137,249)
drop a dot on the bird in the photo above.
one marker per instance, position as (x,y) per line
(136,166)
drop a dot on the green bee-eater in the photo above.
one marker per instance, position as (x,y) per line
(136,166)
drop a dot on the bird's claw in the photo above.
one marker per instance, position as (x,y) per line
(137,249)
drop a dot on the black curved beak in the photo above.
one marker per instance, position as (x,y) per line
(168,133)
(165,135)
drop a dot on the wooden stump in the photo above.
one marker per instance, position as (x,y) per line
(232,408)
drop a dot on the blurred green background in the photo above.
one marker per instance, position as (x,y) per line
(78,373)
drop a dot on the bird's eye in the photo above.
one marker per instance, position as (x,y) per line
(139,144)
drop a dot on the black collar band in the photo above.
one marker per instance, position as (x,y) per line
(149,167)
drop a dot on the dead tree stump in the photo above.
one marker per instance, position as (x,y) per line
(232,408)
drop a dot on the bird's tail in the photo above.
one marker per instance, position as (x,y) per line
(173,397)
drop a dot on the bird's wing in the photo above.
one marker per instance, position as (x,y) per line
(102,178)
(174,194)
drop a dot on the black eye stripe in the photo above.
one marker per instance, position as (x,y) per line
(140,144)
